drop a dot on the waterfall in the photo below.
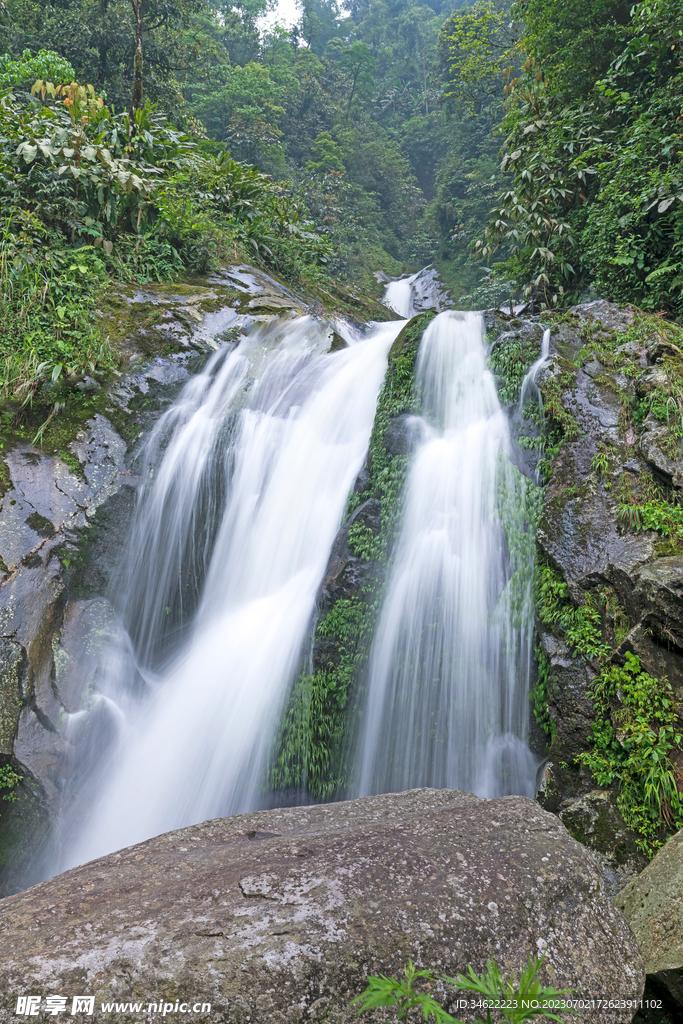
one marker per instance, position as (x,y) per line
(529,382)
(416,293)
(447,701)
(247,477)
(398,295)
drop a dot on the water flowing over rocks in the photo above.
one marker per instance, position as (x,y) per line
(64,521)
(280,915)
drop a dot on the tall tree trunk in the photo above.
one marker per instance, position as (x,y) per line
(136,98)
(424,79)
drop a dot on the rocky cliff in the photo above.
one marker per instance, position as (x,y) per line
(608,450)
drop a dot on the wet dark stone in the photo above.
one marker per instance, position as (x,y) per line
(399,437)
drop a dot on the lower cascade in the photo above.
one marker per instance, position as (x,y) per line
(449,668)
(245,481)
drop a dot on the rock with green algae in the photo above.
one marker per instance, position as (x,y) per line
(653,906)
(595,821)
(597,374)
(281,915)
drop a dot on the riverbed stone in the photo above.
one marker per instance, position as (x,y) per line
(281,915)
(653,905)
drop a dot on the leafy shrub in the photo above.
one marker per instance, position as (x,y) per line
(85,196)
(634,736)
(45,65)
(582,625)
(662,516)
(517,1002)
(9,780)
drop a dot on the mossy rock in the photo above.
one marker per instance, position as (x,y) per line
(24,831)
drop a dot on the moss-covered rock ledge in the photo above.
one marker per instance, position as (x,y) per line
(609,577)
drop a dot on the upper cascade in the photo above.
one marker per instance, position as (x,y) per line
(416,293)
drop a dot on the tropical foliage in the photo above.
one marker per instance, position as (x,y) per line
(592,200)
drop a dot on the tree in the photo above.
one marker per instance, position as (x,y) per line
(359,64)
(100,39)
(327,155)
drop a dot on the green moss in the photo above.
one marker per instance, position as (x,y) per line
(387,474)
(310,748)
(539,696)
(42,526)
(24,823)
(5,479)
(509,362)
(553,392)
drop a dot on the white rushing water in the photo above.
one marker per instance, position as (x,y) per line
(416,293)
(449,668)
(398,296)
(529,383)
(249,473)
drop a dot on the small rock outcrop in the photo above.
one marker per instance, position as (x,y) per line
(280,916)
(653,905)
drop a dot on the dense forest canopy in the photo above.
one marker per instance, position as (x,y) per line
(529,148)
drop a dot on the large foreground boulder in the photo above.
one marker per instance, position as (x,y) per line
(280,916)
(653,905)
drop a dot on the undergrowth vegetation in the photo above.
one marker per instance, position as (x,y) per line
(9,780)
(88,196)
(635,735)
(516,1001)
(310,748)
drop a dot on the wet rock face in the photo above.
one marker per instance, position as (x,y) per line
(595,821)
(653,906)
(281,915)
(606,460)
(45,509)
(610,408)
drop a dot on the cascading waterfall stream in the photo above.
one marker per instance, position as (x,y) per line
(257,458)
(447,702)
(529,382)
(398,296)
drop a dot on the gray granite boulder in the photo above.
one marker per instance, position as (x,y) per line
(279,916)
(653,905)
